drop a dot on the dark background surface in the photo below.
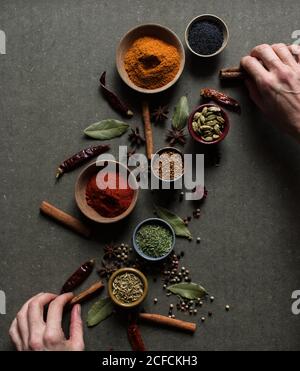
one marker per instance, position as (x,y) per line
(249,256)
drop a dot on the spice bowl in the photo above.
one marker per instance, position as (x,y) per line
(132,277)
(213,45)
(148,30)
(164,156)
(81,189)
(226,125)
(152,233)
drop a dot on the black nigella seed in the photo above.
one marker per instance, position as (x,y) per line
(206,37)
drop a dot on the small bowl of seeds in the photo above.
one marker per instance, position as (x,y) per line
(206,36)
(209,124)
(128,287)
(167,165)
(154,239)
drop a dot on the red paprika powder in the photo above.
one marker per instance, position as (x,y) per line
(111,201)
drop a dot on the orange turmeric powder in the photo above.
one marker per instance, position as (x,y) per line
(152,63)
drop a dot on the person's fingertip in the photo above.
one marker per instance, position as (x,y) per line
(244,60)
(78,308)
(68,294)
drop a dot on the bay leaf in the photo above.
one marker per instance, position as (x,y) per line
(191,291)
(181,114)
(101,310)
(106,129)
(181,230)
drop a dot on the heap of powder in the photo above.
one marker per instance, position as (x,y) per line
(206,37)
(112,201)
(152,63)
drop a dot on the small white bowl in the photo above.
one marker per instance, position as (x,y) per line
(217,20)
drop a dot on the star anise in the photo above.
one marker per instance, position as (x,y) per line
(175,136)
(160,114)
(110,251)
(136,138)
(108,268)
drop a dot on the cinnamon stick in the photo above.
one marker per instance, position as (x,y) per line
(169,322)
(233,73)
(87,294)
(65,219)
(148,130)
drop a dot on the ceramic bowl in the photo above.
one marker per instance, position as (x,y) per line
(197,137)
(141,277)
(152,30)
(217,20)
(80,193)
(153,221)
(158,153)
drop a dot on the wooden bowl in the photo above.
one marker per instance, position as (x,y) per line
(80,193)
(197,137)
(141,277)
(152,30)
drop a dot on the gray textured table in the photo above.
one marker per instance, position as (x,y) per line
(249,256)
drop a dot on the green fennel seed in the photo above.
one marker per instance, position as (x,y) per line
(154,240)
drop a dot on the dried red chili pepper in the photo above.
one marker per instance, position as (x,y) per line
(78,277)
(113,100)
(221,98)
(135,338)
(80,158)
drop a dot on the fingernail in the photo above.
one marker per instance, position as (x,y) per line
(79,309)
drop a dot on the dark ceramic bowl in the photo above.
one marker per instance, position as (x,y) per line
(218,21)
(153,221)
(197,137)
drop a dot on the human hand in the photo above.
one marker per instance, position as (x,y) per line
(29,331)
(274,84)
